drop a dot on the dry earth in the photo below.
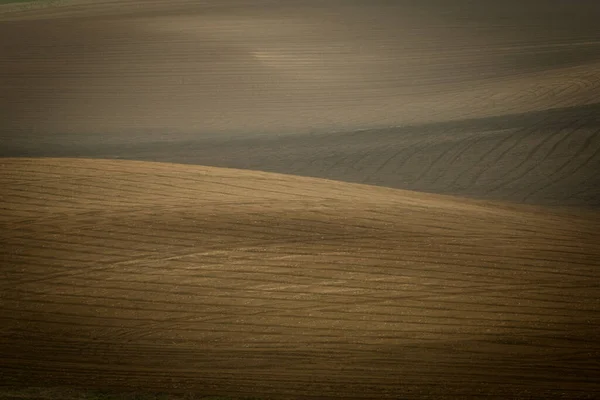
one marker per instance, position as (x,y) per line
(158,276)
(490,99)
(175,277)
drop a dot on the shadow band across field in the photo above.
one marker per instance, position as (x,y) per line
(156,276)
(545,157)
(482,99)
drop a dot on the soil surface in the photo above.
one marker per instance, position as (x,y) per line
(496,101)
(157,276)
(301,199)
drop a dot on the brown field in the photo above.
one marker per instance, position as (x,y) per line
(500,101)
(312,199)
(163,276)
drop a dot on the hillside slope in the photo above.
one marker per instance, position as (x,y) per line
(175,277)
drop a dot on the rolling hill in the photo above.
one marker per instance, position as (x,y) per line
(126,274)
(497,102)
(300,199)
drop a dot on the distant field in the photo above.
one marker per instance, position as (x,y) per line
(32,4)
(29,5)
(500,103)
(50,2)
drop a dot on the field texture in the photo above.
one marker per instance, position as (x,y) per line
(496,101)
(120,273)
(301,199)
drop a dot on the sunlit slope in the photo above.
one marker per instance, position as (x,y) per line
(171,277)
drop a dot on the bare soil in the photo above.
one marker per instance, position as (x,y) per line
(256,236)
(497,101)
(134,275)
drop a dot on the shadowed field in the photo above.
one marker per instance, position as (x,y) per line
(550,157)
(495,101)
(171,277)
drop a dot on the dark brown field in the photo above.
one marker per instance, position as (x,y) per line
(301,199)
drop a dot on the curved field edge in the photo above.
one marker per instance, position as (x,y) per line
(465,107)
(168,277)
